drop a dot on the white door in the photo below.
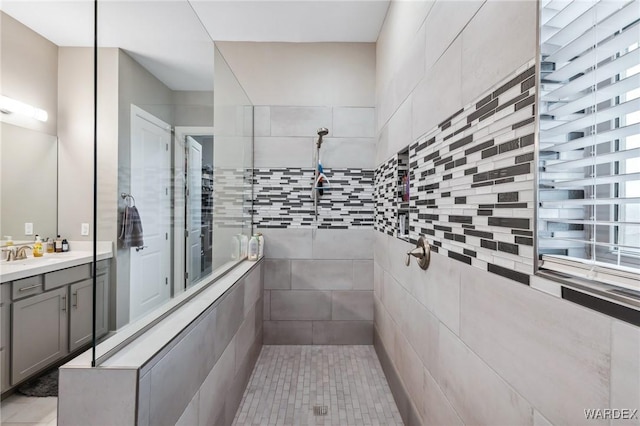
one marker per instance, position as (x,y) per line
(194,209)
(150,182)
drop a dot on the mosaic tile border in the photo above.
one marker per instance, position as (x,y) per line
(282,199)
(472,182)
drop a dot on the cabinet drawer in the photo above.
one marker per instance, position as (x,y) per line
(102,267)
(67,276)
(26,287)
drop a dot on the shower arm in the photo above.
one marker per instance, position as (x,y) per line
(323,131)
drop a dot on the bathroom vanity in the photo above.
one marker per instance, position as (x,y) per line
(46,310)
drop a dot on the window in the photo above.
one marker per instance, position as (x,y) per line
(589,145)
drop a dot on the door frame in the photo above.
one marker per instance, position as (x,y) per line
(179,197)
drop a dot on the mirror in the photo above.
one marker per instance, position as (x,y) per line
(28,145)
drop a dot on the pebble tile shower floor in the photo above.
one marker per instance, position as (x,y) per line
(288,381)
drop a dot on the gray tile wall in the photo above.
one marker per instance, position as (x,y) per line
(201,378)
(460,344)
(318,274)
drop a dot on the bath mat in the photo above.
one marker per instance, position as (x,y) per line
(45,385)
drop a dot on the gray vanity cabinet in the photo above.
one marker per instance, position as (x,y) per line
(5,334)
(39,332)
(80,311)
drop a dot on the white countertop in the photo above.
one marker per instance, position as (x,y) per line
(81,252)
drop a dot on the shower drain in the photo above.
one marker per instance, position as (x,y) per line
(320,410)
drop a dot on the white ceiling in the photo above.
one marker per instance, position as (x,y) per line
(172,38)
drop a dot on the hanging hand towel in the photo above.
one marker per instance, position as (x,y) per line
(131,232)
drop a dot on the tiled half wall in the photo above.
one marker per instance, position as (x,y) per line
(471,190)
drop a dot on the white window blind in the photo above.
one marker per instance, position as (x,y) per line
(589,144)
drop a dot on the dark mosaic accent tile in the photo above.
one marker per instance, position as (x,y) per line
(428,216)
(524,158)
(469,252)
(524,241)
(451,117)
(509,222)
(483,101)
(509,273)
(434,249)
(429,232)
(479,147)
(505,180)
(437,244)
(528,84)
(447,137)
(507,197)
(448,236)
(523,123)
(485,212)
(465,226)
(521,232)
(462,142)
(431,156)
(460,162)
(460,219)
(482,111)
(520,169)
(443,161)
(486,206)
(478,185)
(445,195)
(461,200)
(459,257)
(442,228)
(489,152)
(527,140)
(471,171)
(446,125)
(460,238)
(479,234)
(509,146)
(462,129)
(528,101)
(431,141)
(512,101)
(507,247)
(447,177)
(449,165)
(516,80)
(511,206)
(487,115)
(606,307)
(413,146)
(491,245)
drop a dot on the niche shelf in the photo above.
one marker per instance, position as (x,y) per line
(402,195)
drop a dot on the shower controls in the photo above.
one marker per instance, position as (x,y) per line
(422,253)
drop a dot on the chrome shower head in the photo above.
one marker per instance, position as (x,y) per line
(322,131)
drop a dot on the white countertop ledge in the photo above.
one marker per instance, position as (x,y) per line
(81,253)
(144,348)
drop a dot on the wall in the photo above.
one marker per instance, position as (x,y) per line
(472,340)
(198,378)
(318,274)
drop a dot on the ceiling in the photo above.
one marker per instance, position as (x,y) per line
(172,38)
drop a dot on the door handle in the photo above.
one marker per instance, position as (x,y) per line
(75,300)
(64,303)
(141,248)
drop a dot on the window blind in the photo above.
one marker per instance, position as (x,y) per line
(589,142)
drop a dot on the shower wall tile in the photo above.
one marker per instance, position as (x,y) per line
(352,305)
(261,121)
(300,305)
(322,274)
(353,122)
(342,332)
(470,179)
(300,120)
(287,243)
(363,274)
(343,244)
(288,332)
(348,152)
(281,151)
(277,274)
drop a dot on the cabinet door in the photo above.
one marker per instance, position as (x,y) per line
(5,334)
(38,332)
(80,314)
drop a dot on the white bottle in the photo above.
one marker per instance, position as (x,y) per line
(261,245)
(235,247)
(244,245)
(254,246)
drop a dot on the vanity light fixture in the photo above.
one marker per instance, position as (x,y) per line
(11,106)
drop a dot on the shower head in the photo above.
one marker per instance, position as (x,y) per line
(322,131)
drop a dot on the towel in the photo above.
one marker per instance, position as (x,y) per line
(131,231)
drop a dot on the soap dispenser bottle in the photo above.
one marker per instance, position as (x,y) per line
(38,251)
(58,245)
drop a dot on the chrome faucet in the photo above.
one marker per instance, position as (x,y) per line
(11,253)
(16,252)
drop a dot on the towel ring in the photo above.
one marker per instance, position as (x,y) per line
(128,198)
